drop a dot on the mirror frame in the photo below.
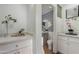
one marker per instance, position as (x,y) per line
(72,16)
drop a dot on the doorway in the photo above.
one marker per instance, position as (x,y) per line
(47,28)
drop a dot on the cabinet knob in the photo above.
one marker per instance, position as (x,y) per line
(14,53)
(16,45)
(18,52)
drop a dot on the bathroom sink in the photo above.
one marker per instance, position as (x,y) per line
(71,33)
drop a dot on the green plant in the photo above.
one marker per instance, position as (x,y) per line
(8,18)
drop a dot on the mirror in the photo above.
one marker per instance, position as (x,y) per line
(72,12)
(47,17)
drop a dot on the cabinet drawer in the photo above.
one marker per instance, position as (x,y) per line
(7,47)
(21,44)
(63,37)
(74,39)
(12,52)
(26,50)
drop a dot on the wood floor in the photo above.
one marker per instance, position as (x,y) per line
(47,51)
(45,44)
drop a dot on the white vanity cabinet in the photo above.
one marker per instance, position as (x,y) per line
(74,45)
(62,44)
(16,46)
(68,44)
(25,50)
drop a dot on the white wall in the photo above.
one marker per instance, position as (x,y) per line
(38,29)
(74,23)
(31,18)
(55,31)
(31,24)
(19,12)
(58,26)
(34,25)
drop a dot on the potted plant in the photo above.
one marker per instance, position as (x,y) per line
(6,21)
(70,30)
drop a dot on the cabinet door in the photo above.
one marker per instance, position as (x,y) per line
(62,44)
(5,48)
(12,52)
(26,50)
(74,46)
(25,43)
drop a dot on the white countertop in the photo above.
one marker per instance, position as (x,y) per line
(63,34)
(4,40)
